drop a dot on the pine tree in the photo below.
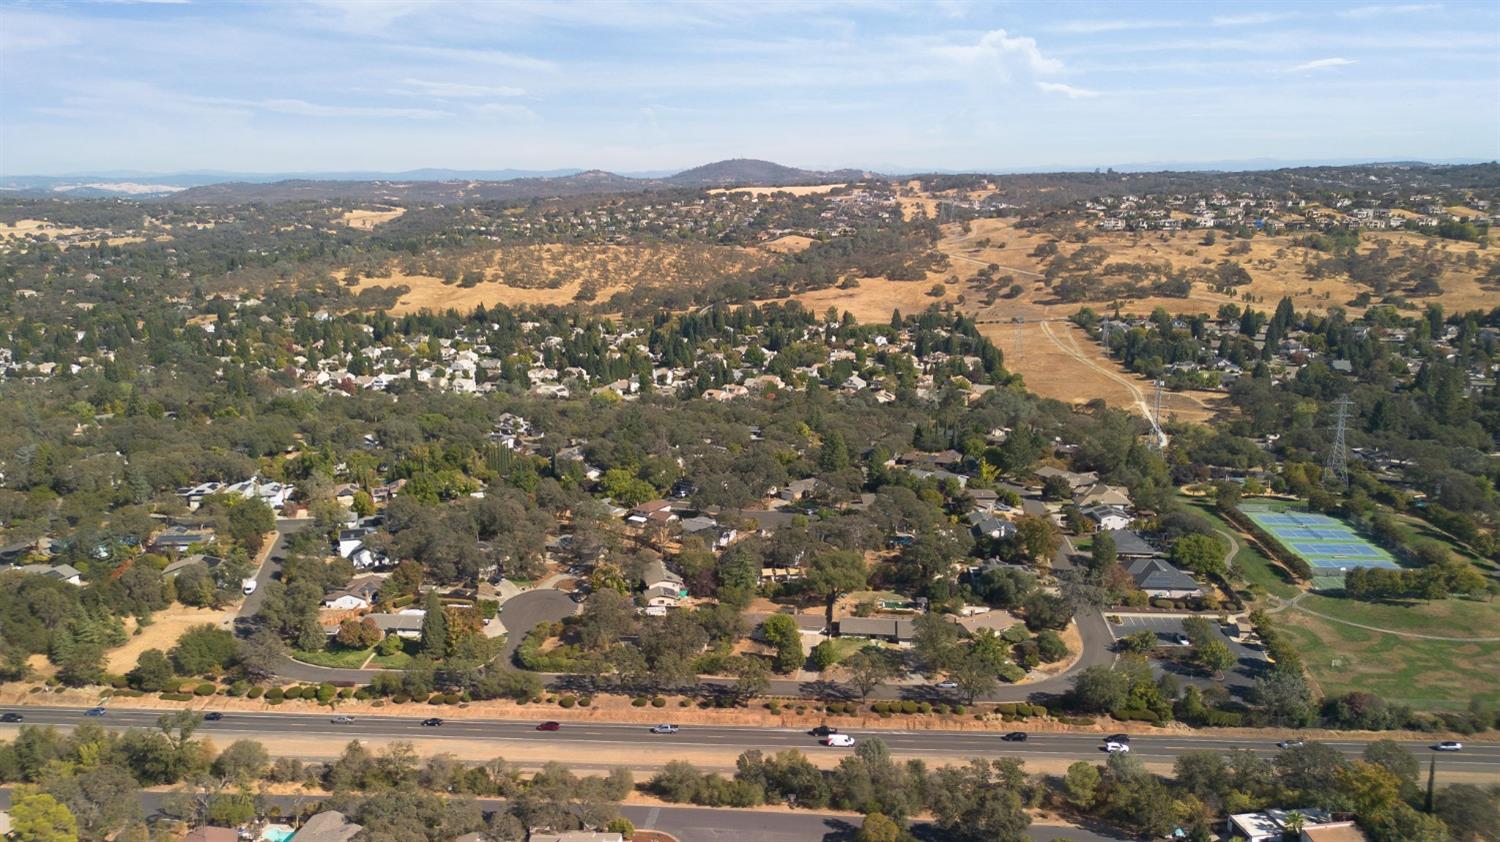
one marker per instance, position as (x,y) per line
(434,628)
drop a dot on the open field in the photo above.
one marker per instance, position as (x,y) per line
(166,626)
(795,190)
(1438,674)
(1256,568)
(788,244)
(875,298)
(367,219)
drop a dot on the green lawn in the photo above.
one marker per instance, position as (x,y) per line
(1255,567)
(334,656)
(846,646)
(1453,617)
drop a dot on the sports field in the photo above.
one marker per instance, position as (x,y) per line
(1329,546)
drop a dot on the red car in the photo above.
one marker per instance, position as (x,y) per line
(549,726)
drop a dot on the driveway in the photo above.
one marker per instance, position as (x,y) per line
(522,612)
(1250,663)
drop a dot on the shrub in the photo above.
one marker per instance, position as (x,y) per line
(273,701)
(958,710)
(924,707)
(567,701)
(684,703)
(292,693)
(400,699)
(658,702)
(452,699)
(585,701)
(1038,710)
(1136,715)
(275,694)
(638,702)
(177,697)
(346,693)
(878,707)
(205,689)
(362,694)
(239,688)
(1006,708)
(435,699)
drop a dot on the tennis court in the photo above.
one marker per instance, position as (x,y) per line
(1329,546)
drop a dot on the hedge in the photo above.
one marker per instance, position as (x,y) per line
(275,694)
(567,701)
(205,689)
(177,697)
(658,702)
(1136,715)
(255,692)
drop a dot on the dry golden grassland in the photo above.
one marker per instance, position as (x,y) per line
(367,219)
(795,190)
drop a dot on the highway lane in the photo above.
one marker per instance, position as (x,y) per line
(1477,758)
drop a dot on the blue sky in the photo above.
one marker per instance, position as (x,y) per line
(629,86)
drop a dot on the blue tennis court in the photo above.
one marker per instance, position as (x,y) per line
(1327,544)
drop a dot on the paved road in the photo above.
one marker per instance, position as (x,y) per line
(522,612)
(694,824)
(1478,757)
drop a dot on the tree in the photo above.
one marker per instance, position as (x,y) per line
(204,649)
(781,631)
(1394,758)
(825,655)
(1038,537)
(751,678)
(1103,553)
(38,817)
(878,828)
(151,673)
(434,628)
(355,633)
(1200,553)
(975,675)
(1468,811)
(834,573)
(936,642)
(243,761)
(1099,689)
(249,521)
(1214,656)
(1284,696)
(869,668)
(1081,784)
(981,802)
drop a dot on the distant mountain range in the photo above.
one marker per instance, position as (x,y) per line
(412,185)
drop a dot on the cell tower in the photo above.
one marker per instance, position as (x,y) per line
(1337,462)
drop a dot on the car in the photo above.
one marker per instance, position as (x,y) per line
(1291,744)
(947,685)
(823,731)
(94,712)
(549,726)
(11,716)
(1449,745)
(664,728)
(432,722)
(212,716)
(838,741)
(1117,748)
(248,586)
(342,720)
(1118,738)
(1182,640)
(1015,737)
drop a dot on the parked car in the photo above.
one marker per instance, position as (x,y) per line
(950,684)
(838,741)
(432,722)
(1182,640)
(823,731)
(1291,744)
(248,586)
(94,712)
(342,720)
(1449,745)
(1015,737)
(1117,748)
(11,716)
(664,728)
(212,716)
(549,726)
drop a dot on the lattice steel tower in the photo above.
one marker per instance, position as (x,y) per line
(1336,463)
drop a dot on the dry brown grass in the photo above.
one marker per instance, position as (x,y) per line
(875,298)
(166,626)
(788,244)
(367,219)
(795,190)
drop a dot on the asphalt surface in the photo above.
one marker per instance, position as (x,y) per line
(696,824)
(522,612)
(574,739)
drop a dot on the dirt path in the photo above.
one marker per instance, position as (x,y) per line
(1071,349)
(1294,605)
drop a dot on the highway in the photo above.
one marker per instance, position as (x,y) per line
(1475,759)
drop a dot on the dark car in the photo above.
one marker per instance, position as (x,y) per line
(1015,737)
(823,731)
(1123,739)
(214,716)
(432,722)
(94,712)
(11,717)
(549,726)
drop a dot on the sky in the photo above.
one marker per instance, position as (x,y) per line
(390,85)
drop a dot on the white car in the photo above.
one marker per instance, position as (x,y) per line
(1449,745)
(838,741)
(1117,748)
(248,586)
(947,685)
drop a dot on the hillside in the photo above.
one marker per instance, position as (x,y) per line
(745,171)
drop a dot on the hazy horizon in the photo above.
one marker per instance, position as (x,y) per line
(347,85)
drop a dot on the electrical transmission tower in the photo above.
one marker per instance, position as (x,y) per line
(1336,464)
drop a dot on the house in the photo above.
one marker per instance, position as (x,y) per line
(1101,494)
(663,597)
(989,526)
(1346,831)
(63,572)
(360,593)
(327,826)
(179,538)
(1271,825)
(1107,517)
(1074,481)
(941,459)
(799,488)
(384,493)
(1157,577)
(652,511)
(351,540)
(1130,546)
(656,575)
(209,833)
(401,625)
(195,560)
(893,629)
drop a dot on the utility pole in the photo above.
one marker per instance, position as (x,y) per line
(1336,464)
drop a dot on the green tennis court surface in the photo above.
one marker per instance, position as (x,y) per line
(1329,546)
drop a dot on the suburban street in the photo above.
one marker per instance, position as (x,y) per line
(1477,758)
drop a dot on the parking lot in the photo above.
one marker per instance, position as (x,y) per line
(1250,662)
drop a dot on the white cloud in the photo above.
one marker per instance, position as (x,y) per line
(1066,90)
(1398,9)
(428,87)
(1090,27)
(517,113)
(1253,19)
(1321,64)
(1002,53)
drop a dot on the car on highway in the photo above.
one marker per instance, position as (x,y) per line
(838,741)
(94,712)
(549,726)
(11,716)
(432,722)
(1117,748)
(1449,745)
(950,684)
(664,728)
(342,720)
(1015,737)
(823,731)
(1118,738)
(212,716)
(1291,744)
